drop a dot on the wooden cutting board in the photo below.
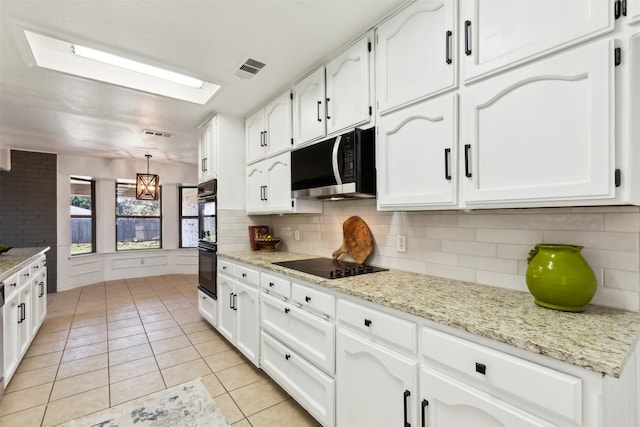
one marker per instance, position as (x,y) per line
(356,240)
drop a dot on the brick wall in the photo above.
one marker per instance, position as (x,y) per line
(28,212)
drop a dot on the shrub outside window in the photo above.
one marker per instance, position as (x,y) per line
(188,217)
(83,216)
(138,222)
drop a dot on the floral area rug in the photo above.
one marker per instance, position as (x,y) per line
(184,405)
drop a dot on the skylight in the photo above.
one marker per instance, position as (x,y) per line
(94,64)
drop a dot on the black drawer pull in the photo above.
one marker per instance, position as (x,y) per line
(307,299)
(447,56)
(287,310)
(244,274)
(271,284)
(481,368)
(287,356)
(467,167)
(447,173)
(467,37)
(367,322)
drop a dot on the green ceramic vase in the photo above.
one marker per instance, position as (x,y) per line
(560,278)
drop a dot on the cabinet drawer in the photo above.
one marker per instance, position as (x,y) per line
(549,389)
(226,267)
(275,285)
(25,275)
(378,326)
(307,334)
(314,390)
(38,266)
(314,300)
(11,284)
(249,275)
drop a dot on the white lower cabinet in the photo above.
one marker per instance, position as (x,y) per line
(309,335)
(312,388)
(207,307)
(375,385)
(238,314)
(24,311)
(447,402)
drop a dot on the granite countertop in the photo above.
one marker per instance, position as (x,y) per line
(599,339)
(10,261)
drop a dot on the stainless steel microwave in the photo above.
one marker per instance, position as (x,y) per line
(340,167)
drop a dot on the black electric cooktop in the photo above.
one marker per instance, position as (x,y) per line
(329,268)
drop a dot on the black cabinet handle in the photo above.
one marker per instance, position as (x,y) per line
(447,172)
(224,267)
(467,167)
(287,356)
(624,8)
(319,103)
(424,404)
(19,313)
(616,9)
(307,299)
(271,285)
(244,275)
(407,393)
(327,109)
(231,300)
(265,193)
(367,322)
(41,290)
(27,274)
(447,56)
(235,302)
(287,310)
(467,37)
(481,368)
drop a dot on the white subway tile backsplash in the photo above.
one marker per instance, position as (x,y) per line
(529,237)
(483,246)
(489,264)
(469,248)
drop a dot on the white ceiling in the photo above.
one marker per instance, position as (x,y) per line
(47,111)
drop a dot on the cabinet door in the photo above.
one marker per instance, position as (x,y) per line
(541,133)
(255,136)
(11,345)
(226,307)
(203,154)
(447,402)
(503,33)
(417,156)
(25,334)
(375,386)
(248,321)
(416,53)
(278,124)
(278,194)
(256,188)
(348,92)
(309,108)
(207,308)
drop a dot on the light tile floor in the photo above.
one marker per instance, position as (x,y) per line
(108,343)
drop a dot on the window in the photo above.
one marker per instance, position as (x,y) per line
(83,216)
(188,217)
(138,222)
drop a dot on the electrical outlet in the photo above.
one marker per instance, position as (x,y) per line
(401,243)
(297,234)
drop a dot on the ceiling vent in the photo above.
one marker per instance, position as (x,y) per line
(157,133)
(249,68)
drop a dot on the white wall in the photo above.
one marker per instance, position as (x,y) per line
(106,263)
(489,247)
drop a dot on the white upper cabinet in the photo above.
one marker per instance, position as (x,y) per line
(268,131)
(309,108)
(269,188)
(541,133)
(206,170)
(417,156)
(416,53)
(496,34)
(334,97)
(348,100)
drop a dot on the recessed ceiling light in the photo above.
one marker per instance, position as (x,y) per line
(94,64)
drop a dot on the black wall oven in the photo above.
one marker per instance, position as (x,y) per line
(207,243)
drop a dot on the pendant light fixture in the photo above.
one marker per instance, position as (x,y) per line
(147,184)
